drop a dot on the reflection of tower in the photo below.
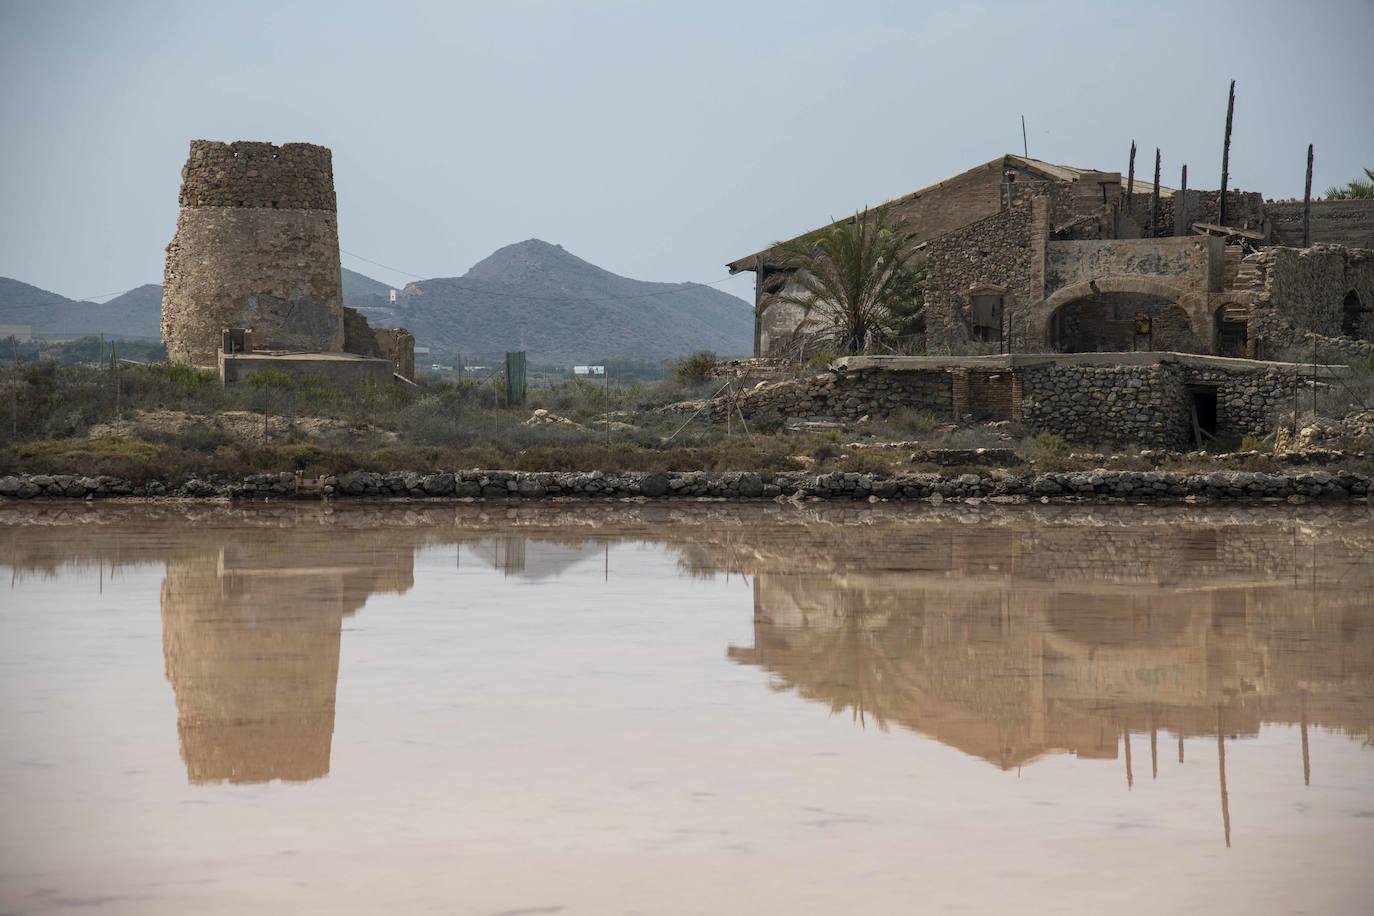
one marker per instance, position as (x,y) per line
(251,640)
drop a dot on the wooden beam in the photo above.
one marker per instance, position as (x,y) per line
(1307,203)
(1226,151)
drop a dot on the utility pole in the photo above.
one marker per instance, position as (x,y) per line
(1226,152)
(1307,203)
(1154,200)
(1130,177)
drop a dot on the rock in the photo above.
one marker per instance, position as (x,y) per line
(437,484)
(655,485)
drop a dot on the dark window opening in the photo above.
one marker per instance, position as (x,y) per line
(1351,311)
(987,318)
(1203,408)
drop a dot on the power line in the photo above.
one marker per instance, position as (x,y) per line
(494,292)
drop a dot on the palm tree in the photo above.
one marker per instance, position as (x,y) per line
(853,279)
(1355,189)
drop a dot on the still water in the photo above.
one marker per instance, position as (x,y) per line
(706,709)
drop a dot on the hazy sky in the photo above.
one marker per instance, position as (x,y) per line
(659,140)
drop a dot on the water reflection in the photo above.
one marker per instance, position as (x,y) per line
(1009,635)
(250,637)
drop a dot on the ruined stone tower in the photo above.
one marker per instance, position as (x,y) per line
(257,245)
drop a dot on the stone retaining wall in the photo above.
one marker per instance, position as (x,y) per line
(530,485)
(845,395)
(1143,405)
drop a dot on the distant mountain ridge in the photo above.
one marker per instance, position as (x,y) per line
(536,296)
(531,295)
(135,314)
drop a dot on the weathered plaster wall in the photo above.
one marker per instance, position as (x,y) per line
(1334,222)
(779,325)
(257,245)
(1185,261)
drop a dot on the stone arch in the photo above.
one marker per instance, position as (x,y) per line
(1193,306)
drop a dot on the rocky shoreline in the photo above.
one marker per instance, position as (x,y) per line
(993,484)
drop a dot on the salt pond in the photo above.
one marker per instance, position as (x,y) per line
(685,709)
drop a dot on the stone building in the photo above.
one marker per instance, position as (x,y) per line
(1024,256)
(257,247)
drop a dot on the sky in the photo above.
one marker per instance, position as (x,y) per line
(658,140)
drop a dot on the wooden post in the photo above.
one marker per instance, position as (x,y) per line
(758,305)
(1154,200)
(1130,177)
(1226,152)
(1181,205)
(1307,203)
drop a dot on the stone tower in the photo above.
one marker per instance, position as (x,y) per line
(257,246)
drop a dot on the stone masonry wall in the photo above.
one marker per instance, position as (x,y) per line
(1248,403)
(846,395)
(257,245)
(293,176)
(993,252)
(1298,300)
(1118,405)
(1334,222)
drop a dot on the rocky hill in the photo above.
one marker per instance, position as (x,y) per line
(135,314)
(562,309)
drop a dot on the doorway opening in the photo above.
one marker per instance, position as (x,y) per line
(1202,404)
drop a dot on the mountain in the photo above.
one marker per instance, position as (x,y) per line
(562,309)
(135,314)
(356,285)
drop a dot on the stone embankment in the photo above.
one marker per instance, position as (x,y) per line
(995,483)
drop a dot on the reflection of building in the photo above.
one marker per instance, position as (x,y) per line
(251,641)
(1011,644)
(526,558)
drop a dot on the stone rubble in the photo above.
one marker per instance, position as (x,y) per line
(998,484)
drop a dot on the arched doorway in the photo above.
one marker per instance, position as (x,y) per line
(1107,322)
(1352,317)
(1233,329)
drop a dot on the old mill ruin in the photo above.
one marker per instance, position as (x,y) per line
(253,279)
(1098,307)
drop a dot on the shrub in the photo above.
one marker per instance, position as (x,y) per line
(1050,442)
(695,369)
